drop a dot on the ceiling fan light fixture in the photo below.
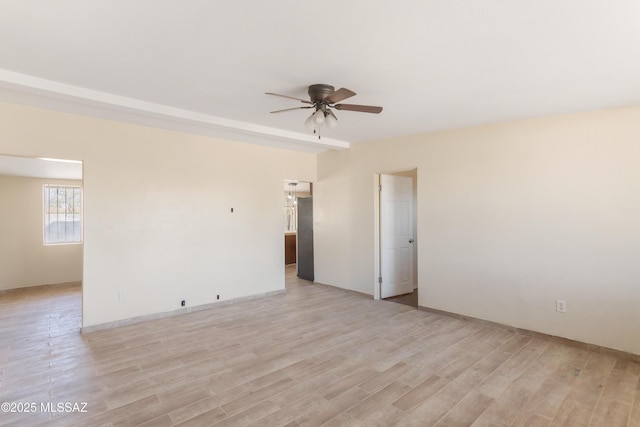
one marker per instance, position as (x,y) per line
(330,120)
(310,123)
(318,116)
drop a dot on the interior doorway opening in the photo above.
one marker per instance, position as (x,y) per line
(298,230)
(42,227)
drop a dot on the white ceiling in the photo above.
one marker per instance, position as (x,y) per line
(203,65)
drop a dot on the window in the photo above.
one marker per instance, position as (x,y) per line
(62,214)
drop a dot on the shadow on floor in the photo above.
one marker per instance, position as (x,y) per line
(406,299)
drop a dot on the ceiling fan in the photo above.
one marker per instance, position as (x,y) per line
(323,99)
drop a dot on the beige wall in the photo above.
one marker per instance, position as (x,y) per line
(511,217)
(24,259)
(157,206)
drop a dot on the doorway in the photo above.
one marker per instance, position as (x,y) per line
(298,230)
(395,237)
(42,249)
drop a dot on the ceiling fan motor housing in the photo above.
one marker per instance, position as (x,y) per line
(319,92)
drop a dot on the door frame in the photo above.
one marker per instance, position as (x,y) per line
(377,272)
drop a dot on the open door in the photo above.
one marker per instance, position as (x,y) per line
(396,235)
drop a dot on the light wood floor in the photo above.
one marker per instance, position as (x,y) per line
(314,356)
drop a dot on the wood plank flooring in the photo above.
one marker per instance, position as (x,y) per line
(313,356)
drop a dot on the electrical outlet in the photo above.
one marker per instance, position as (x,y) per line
(561,306)
(121,295)
(217,296)
(183,303)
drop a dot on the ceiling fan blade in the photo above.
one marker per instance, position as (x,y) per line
(339,95)
(290,109)
(360,108)
(306,101)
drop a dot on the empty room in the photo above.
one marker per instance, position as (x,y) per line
(286,213)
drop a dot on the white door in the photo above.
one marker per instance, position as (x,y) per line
(396,235)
